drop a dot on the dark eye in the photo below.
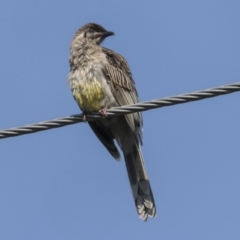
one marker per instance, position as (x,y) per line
(90,30)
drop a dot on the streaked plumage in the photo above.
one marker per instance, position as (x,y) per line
(100,78)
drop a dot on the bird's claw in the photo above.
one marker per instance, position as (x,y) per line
(103,112)
(84,117)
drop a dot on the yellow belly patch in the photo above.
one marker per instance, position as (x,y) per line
(88,95)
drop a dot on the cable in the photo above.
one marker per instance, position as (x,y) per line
(142,106)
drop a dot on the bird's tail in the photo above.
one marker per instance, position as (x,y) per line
(140,184)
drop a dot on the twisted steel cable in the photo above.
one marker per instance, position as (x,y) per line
(142,106)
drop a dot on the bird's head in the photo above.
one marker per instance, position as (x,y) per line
(94,32)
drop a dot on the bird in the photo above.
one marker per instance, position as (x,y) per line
(99,79)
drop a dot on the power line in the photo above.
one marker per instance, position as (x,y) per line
(142,106)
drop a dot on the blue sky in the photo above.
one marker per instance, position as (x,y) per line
(62,184)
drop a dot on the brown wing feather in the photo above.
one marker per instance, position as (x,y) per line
(123,88)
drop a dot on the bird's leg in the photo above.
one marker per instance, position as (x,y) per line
(84,116)
(103,112)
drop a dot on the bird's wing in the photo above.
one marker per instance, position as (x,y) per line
(123,88)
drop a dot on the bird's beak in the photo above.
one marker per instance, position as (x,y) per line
(104,34)
(100,36)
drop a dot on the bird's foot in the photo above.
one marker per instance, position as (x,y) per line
(103,112)
(84,117)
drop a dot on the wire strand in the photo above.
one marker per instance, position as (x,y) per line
(142,106)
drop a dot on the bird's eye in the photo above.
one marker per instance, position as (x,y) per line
(90,30)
